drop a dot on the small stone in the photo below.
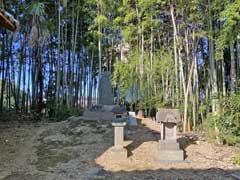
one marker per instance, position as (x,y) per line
(56,139)
(197,142)
(77,131)
(103,126)
(227,159)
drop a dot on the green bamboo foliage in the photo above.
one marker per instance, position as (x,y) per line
(178,54)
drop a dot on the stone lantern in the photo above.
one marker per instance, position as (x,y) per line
(168,145)
(118,151)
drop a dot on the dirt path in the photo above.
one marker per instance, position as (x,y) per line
(200,155)
(17,152)
(78,149)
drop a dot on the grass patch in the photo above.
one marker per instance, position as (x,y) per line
(236,159)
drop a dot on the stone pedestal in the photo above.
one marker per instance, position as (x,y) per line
(171,155)
(118,152)
(168,145)
(169,150)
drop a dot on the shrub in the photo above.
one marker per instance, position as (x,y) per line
(61,112)
(210,125)
(227,122)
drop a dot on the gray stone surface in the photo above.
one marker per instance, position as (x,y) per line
(101,113)
(119,124)
(168,131)
(118,134)
(103,108)
(105,89)
(120,114)
(118,152)
(102,116)
(168,115)
(168,145)
(119,110)
(171,155)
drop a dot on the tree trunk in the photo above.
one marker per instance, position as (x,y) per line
(58,60)
(175,41)
(233,68)
(213,73)
(189,82)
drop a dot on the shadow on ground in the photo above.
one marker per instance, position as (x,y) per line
(172,174)
(139,135)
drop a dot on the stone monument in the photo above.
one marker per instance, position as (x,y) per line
(105,89)
(168,145)
(119,153)
(103,110)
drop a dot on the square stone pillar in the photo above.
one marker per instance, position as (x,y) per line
(118,136)
(119,153)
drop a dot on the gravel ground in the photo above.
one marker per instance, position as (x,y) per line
(78,149)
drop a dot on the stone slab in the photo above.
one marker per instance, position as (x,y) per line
(119,124)
(109,108)
(102,116)
(168,115)
(168,145)
(171,155)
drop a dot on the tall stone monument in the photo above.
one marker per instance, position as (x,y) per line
(105,89)
(168,145)
(103,110)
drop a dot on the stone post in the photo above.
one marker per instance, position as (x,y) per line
(118,134)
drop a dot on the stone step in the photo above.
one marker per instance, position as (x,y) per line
(170,155)
(105,116)
(168,145)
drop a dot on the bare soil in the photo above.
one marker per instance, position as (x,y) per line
(78,149)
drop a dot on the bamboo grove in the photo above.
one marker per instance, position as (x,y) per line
(161,53)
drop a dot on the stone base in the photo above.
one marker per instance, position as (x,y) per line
(103,116)
(171,155)
(118,154)
(168,145)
